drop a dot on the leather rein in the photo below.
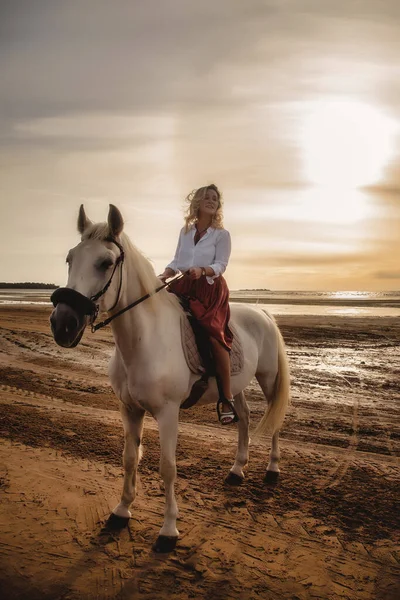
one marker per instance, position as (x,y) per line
(88,306)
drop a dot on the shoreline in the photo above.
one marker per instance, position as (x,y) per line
(319,302)
(347,321)
(293,307)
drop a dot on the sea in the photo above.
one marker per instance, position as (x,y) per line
(278,302)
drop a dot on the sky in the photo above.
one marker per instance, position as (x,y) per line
(292,107)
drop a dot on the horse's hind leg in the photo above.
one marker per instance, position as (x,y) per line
(132,419)
(236,474)
(272,474)
(168,430)
(267,384)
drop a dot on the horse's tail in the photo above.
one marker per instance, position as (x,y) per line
(279,401)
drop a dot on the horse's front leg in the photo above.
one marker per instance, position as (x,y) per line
(132,420)
(236,474)
(168,430)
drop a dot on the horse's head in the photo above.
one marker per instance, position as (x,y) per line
(92,265)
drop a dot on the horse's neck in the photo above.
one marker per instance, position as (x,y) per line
(151,322)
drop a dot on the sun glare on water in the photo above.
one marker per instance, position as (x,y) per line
(345,144)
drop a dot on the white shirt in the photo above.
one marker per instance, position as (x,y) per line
(212,250)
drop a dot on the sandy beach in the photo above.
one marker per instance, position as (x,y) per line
(328,529)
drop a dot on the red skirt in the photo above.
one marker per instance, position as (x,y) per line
(209,304)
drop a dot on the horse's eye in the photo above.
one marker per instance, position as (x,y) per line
(106,264)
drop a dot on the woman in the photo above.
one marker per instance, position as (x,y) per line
(203,253)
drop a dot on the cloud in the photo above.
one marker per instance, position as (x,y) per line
(386,275)
(295,260)
(231,70)
(125,55)
(59,58)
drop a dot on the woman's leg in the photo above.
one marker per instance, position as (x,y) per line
(223,368)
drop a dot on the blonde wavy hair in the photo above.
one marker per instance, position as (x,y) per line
(193,199)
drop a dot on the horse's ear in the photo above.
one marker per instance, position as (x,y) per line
(83,221)
(115,221)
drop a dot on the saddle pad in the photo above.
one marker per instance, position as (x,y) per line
(192,354)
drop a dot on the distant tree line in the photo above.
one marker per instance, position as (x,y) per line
(30,285)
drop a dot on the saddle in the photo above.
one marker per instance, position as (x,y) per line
(197,350)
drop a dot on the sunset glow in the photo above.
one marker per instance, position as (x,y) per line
(346,143)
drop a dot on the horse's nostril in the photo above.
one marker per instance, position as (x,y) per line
(63,321)
(52,322)
(67,326)
(71,324)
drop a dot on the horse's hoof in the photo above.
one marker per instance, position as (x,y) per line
(233,479)
(116,523)
(271,477)
(165,543)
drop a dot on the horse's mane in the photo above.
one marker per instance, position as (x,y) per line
(136,260)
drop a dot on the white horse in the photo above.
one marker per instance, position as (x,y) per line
(148,370)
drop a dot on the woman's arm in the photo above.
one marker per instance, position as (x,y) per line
(222,254)
(171,269)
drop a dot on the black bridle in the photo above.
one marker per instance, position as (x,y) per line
(119,261)
(87,306)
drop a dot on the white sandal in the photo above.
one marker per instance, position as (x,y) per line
(227,418)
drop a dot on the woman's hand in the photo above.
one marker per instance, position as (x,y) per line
(194,273)
(167,274)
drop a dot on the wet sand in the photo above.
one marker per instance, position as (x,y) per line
(329,529)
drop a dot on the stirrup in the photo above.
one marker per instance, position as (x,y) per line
(231,415)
